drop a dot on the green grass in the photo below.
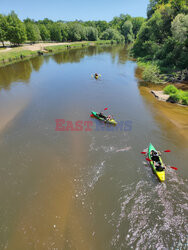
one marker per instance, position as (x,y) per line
(13,56)
(176,95)
(57,48)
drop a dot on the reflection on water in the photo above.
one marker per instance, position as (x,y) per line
(21,71)
(87,190)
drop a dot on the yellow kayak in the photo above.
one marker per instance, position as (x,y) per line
(160,174)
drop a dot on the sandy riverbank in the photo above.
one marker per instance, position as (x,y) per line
(36,46)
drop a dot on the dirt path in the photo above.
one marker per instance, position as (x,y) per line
(36,46)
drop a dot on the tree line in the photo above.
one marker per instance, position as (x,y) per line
(122,29)
(163,37)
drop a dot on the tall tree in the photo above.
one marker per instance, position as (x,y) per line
(3,29)
(44,32)
(33,32)
(180,28)
(127,30)
(16,32)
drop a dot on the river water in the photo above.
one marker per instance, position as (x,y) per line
(88,189)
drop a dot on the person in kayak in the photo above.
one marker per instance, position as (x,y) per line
(159,167)
(155,156)
(96,75)
(102,116)
(109,117)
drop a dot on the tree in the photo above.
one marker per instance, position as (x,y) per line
(77,32)
(55,32)
(64,31)
(112,34)
(180,28)
(101,26)
(44,32)
(3,29)
(16,32)
(92,34)
(127,30)
(137,23)
(33,32)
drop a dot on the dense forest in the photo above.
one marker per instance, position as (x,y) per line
(122,29)
(163,38)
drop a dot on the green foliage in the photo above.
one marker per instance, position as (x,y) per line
(33,32)
(16,32)
(170,89)
(112,34)
(92,34)
(3,28)
(120,29)
(137,22)
(185,100)
(127,30)
(151,74)
(55,32)
(44,32)
(163,38)
(180,28)
(77,32)
(176,95)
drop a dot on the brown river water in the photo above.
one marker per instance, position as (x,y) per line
(88,189)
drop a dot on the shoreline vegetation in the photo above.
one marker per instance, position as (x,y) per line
(171,94)
(161,45)
(12,55)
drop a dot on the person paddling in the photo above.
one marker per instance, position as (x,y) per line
(155,156)
(102,115)
(159,167)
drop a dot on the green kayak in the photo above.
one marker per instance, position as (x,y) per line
(111,121)
(160,174)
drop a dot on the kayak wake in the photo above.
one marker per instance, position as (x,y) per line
(138,207)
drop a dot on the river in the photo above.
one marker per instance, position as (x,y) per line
(88,189)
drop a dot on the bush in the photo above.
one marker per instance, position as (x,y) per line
(151,73)
(176,97)
(170,89)
(185,100)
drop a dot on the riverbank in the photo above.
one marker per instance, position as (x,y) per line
(151,72)
(172,117)
(11,55)
(171,94)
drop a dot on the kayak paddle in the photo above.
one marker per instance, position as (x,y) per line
(147,159)
(173,167)
(166,151)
